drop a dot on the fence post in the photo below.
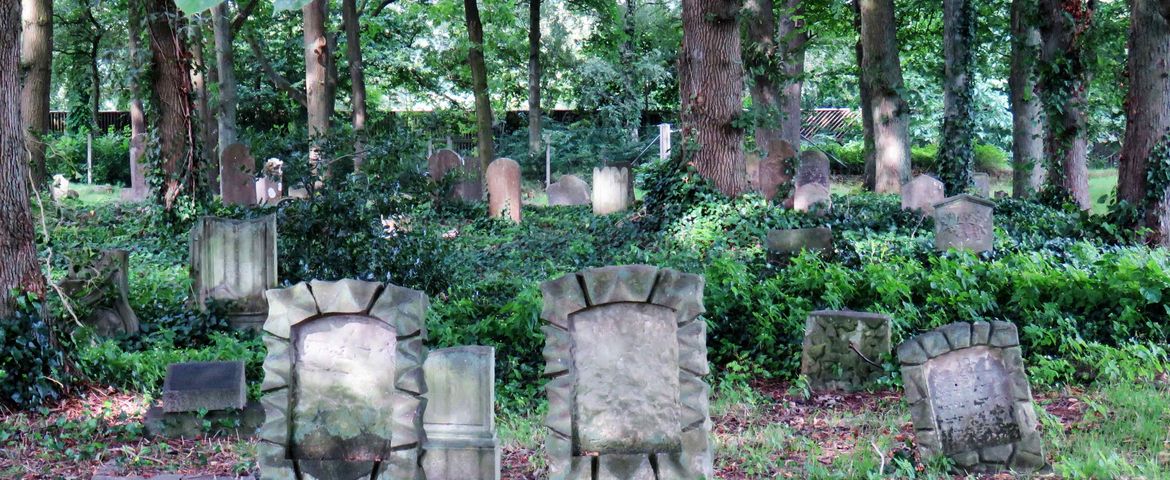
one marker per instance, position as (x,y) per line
(89,159)
(547,164)
(663,140)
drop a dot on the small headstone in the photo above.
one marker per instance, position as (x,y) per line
(503,179)
(812,196)
(104,288)
(195,386)
(569,190)
(459,420)
(982,184)
(964,221)
(970,399)
(922,193)
(60,187)
(236,172)
(611,190)
(842,350)
(782,244)
(234,262)
(470,188)
(770,173)
(812,181)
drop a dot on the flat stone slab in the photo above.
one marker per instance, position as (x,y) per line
(215,423)
(195,386)
(839,346)
(787,243)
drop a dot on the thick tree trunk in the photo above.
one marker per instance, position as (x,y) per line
(1027,133)
(955,153)
(19,269)
(225,61)
(711,91)
(483,105)
(889,111)
(866,104)
(316,78)
(534,113)
(172,102)
(37,61)
(775,57)
(1063,81)
(139,189)
(357,79)
(1146,151)
(202,101)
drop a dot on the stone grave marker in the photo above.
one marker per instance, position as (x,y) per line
(625,348)
(470,188)
(751,163)
(922,193)
(459,421)
(343,382)
(569,190)
(196,393)
(812,181)
(443,161)
(503,179)
(843,350)
(611,190)
(104,288)
(236,171)
(60,189)
(770,173)
(234,261)
(964,221)
(982,184)
(970,399)
(814,194)
(784,244)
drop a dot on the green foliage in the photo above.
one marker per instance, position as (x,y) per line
(66,155)
(32,367)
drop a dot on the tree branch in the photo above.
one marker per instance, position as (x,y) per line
(277,79)
(381,6)
(241,16)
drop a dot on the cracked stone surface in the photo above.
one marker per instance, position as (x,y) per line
(964,221)
(829,359)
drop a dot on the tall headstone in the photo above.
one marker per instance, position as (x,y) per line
(964,221)
(139,189)
(970,399)
(503,179)
(982,184)
(812,181)
(103,287)
(625,348)
(343,382)
(842,350)
(784,244)
(460,423)
(569,190)
(770,173)
(234,262)
(611,190)
(470,188)
(921,193)
(236,171)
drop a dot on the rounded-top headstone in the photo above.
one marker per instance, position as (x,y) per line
(443,161)
(236,171)
(503,179)
(569,190)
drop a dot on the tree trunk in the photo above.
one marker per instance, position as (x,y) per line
(1027,134)
(534,140)
(226,69)
(1145,155)
(316,78)
(357,79)
(37,61)
(863,95)
(711,91)
(632,109)
(889,112)
(1064,77)
(775,57)
(19,269)
(137,113)
(206,152)
(483,105)
(955,153)
(275,77)
(172,102)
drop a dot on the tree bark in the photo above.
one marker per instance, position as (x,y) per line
(534,113)
(1064,77)
(775,57)
(206,152)
(316,78)
(869,178)
(711,92)
(955,153)
(37,63)
(172,101)
(1027,134)
(19,269)
(483,105)
(1145,154)
(137,113)
(225,61)
(357,79)
(889,112)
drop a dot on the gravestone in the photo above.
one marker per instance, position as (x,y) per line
(784,244)
(982,184)
(343,382)
(842,350)
(970,399)
(234,262)
(569,190)
(270,185)
(770,173)
(470,188)
(104,288)
(625,348)
(459,421)
(751,163)
(204,398)
(60,189)
(503,179)
(443,162)
(964,221)
(236,171)
(138,190)
(611,190)
(921,193)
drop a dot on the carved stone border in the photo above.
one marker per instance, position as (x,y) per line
(680,292)
(1025,454)
(401,308)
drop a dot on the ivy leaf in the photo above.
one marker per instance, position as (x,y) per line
(196,6)
(282,5)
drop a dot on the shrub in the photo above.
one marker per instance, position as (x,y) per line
(66,155)
(991,159)
(32,369)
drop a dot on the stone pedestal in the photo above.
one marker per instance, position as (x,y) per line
(234,262)
(461,439)
(611,190)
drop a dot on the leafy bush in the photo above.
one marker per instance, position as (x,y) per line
(66,155)
(991,159)
(32,368)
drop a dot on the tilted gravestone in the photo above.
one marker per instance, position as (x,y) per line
(981,183)
(784,244)
(611,190)
(812,181)
(234,262)
(569,190)
(343,382)
(969,397)
(236,171)
(842,350)
(964,221)
(626,349)
(503,179)
(921,193)
(104,288)
(459,421)
(199,393)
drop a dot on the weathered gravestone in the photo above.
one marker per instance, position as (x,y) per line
(982,184)
(569,190)
(470,188)
(236,169)
(234,262)
(60,189)
(611,190)
(270,186)
(460,422)
(626,349)
(770,173)
(812,181)
(442,162)
(781,245)
(196,392)
(104,288)
(964,221)
(921,193)
(503,179)
(343,382)
(969,397)
(842,349)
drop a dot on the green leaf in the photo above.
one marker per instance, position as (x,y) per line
(196,6)
(282,5)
